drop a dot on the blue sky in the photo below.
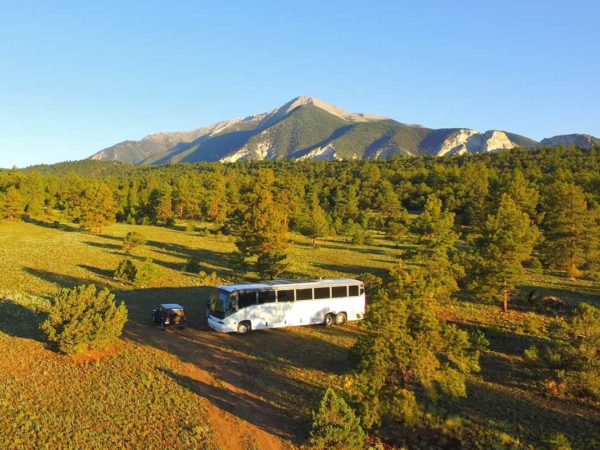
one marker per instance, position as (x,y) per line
(76,77)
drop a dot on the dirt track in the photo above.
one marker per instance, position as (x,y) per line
(253,384)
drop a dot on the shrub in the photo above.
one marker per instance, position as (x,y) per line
(362,237)
(190,227)
(132,240)
(211,279)
(558,441)
(139,274)
(82,319)
(146,272)
(372,282)
(126,270)
(569,361)
(335,425)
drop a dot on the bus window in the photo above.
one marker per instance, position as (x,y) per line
(285,296)
(304,294)
(323,292)
(339,291)
(266,297)
(246,299)
(353,291)
(362,290)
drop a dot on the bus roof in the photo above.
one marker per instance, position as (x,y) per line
(279,284)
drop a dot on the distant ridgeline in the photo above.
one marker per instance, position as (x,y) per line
(308,128)
(369,193)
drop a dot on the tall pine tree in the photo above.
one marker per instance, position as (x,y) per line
(507,240)
(260,226)
(570,232)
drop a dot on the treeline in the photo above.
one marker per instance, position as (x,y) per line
(558,189)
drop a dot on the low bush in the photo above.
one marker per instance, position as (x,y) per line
(132,240)
(127,270)
(568,362)
(82,319)
(335,426)
(147,271)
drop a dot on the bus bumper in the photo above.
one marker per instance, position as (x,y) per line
(216,325)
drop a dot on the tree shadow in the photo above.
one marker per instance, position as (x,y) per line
(353,269)
(17,320)
(104,273)
(64,281)
(104,246)
(53,225)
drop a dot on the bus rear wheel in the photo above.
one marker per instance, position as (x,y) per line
(340,318)
(329,320)
(243,328)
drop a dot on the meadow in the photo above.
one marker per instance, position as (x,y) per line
(195,388)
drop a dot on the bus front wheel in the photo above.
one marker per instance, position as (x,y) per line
(243,328)
(329,320)
(340,318)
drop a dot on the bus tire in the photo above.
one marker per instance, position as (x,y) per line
(329,320)
(341,318)
(243,327)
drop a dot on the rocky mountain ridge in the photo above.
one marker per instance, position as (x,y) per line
(308,128)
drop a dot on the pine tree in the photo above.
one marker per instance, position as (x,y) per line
(335,426)
(82,319)
(261,227)
(96,207)
(316,224)
(570,232)
(433,262)
(524,193)
(569,360)
(507,241)
(406,350)
(12,207)
(159,207)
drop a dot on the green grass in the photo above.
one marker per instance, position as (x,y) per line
(161,389)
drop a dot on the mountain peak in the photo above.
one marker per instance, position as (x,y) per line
(304,100)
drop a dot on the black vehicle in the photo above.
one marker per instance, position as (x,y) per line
(169,315)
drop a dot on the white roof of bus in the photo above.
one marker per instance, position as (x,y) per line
(286,284)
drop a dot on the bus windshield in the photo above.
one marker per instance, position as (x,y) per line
(220,304)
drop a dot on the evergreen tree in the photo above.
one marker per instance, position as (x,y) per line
(96,207)
(570,232)
(12,207)
(335,426)
(524,193)
(570,359)
(82,319)
(133,239)
(159,207)
(407,350)
(433,261)
(316,224)
(507,241)
(261,227)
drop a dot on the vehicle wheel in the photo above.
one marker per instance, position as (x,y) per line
(340,318)
(243,328)
(329,320)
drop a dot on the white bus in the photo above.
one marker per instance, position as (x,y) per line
(280,303)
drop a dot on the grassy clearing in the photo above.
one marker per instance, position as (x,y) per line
(156,390)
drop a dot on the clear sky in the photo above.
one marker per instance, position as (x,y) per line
(78,76)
